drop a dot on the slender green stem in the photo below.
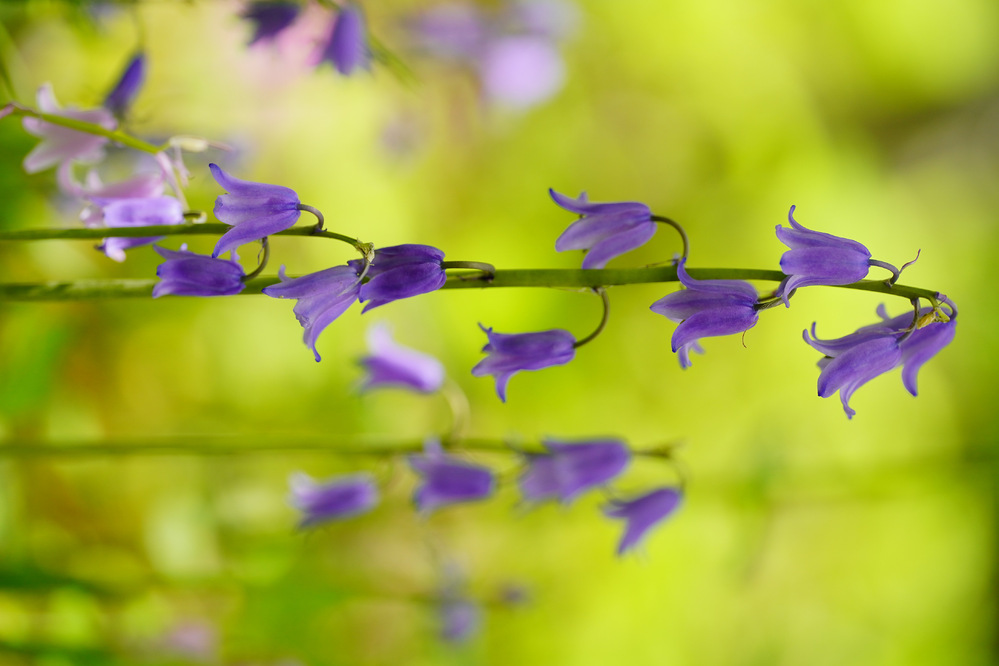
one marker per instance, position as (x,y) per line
(488,270)
(461,411)
(683,234)
(320,220)
(605,301)
(266,252)
(88,128)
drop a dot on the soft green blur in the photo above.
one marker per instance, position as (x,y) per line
(805,538)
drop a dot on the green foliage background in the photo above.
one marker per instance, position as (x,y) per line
(805,538)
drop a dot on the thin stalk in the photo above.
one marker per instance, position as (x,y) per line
(266,254)
(605,301)
(88,128)
(488,270)
(683,234)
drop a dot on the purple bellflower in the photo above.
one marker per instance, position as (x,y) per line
(254,210)
(460,619)
(642,514)
(569,469)
(401,271)
(125,90)
(511,353)
(342,497)
(817,258)
(448,480)
(185,273)
(706,308)
(347,48)
(392,365)
(138,212)
(269,18)
(322,297)
(606,230)
(62,144)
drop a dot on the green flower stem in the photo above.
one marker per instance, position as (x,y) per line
(89,128)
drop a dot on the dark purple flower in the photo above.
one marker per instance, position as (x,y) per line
(61,144)
(342,497)
(185,273)
(606,230)
(642,514)
(706,308)
(570,469)
(857,364)
(127,87)
(254,210)
(347,48)
(511,353)
(269,18)
(136,212)
(392,365)
(399,272)
(817,258)
(448,480)
(322,297)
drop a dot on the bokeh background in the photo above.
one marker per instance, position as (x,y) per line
(805,538)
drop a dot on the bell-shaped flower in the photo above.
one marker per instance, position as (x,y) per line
(322,297)
(137,212)
(448,480)
(605,230)
(401,271)
(511,353)
(817,258)
(342,497)
(642,514)
(392,365)
(921,346)
(255,210)
(569,469)
(119,99)
(269,18)
(61,144)
(706,308)
(185,273)
(347,48)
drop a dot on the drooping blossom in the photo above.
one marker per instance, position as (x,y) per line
(322,297)
(347,47)
(706,308)
(571,468)
(61,144)
(136,212)
(255,210)
(392,365)
(185,273)
(337,498)
(817,258)
(511,353)
(269,18)
(605,230)
(642,513)
(140,186)
(448,480)
(120,97)
(401,271)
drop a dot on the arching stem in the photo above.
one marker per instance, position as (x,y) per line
(605,300)
(683,234)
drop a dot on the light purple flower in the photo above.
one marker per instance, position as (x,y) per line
(511,353)
(269,18)
(450,31)
(521,71)
(347,48)
(706,308)
(185,273)
(322,297)
(460,619)
(392,365)
(448,480)
(817,258)
(401,271)
(642,514)
(125,90)
(255,210)
(136,212)
(61,144)
(606,230)
(856,365)
(569,469)
(341,497)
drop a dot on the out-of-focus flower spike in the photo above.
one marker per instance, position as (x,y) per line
(61,144)
(269,18)
(121,96)
(347,48)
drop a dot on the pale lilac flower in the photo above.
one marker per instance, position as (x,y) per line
(642,514)
(337,498)
(401,271)
(185,273)
(392,365)
(61,144)
(448,480)
(706,308)
(571,468)
(460,619)
(137,212)
(449,31)
(521,71)
(605,230)
(125,90)
(347,48)
(511,353)
(255,210)
(322,297)
(269,18)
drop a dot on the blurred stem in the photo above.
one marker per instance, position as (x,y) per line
(461,411)
(87,128)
